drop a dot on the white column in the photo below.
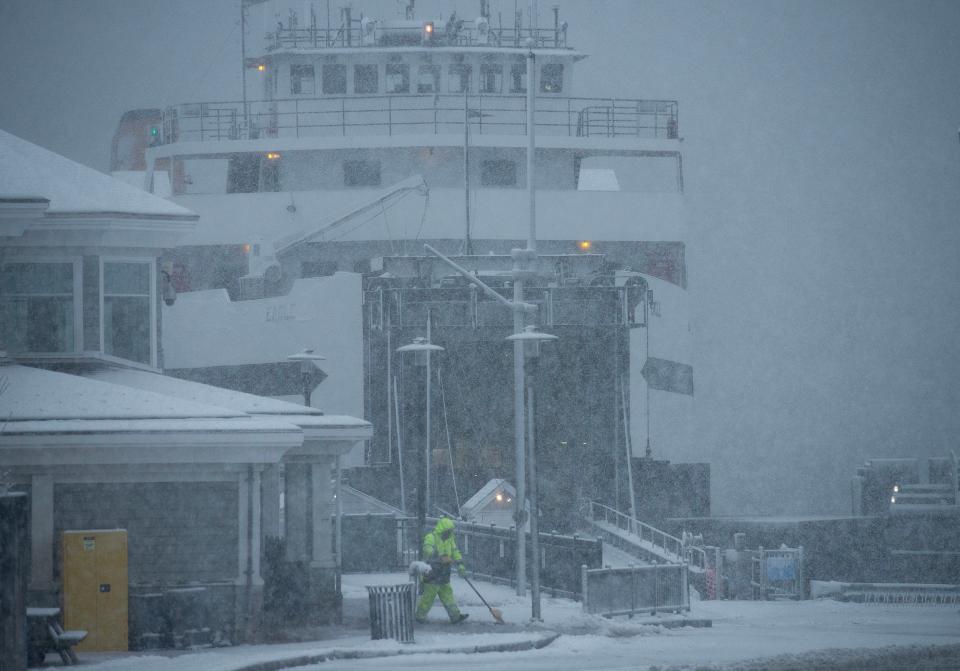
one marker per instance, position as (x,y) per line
(270,501)
(322,551)
(243,517)
(255,530)
(41,532)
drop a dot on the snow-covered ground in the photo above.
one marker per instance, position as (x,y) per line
(818,634)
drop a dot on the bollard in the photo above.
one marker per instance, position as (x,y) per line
(391,612)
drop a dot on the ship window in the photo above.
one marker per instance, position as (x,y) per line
(491,78)
(428,79)
(551,78)
(398,78)
(37,307)
(361,173)
(459,80)
(518,78)
(498,173)
(302,80)
(366,79)
(126,310)
(334,79)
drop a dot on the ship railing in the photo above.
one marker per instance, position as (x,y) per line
(420,115)
(464,34)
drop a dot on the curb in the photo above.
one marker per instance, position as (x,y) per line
(305,660)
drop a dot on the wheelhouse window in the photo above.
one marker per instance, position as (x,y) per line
(498,173)
(551,78)
(398,78)
(302,80)
(459,78)
(361,173)
(491,78)
(334,79)
(428,79)
(366,79)
(127,301)
(518,78)
(38,307)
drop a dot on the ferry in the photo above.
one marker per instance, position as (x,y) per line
(356,140)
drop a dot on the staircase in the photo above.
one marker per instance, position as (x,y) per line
(639,538)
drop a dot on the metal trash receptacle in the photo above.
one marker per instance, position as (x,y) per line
(391,612)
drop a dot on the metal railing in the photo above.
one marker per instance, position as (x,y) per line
(670,547)
(466,34)
(637,589)
(405,114)
(902,593)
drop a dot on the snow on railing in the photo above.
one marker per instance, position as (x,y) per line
(669,547)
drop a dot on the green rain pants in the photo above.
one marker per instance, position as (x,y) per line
(430,592)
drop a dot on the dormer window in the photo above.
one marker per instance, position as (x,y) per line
(127,315)
(302,80)
(39,306)
(398,78)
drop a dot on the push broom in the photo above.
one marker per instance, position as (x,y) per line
(495,612)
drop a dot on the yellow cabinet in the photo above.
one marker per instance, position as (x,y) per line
(95,587)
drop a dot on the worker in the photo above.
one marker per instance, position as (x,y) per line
(441,553)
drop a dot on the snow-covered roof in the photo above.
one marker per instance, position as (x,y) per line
(313,422)
(30,171)
(37,394)
(486,493)
(197,392)
(355,502)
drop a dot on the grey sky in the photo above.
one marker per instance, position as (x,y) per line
(823,176)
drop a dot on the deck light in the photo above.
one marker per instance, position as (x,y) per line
(585,245)
(428,28)
(154,131)
(246,248)
(896,489)
(272,156)
(261,67)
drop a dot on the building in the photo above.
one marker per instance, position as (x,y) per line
(100,439)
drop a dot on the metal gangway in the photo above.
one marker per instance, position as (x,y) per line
(640,538)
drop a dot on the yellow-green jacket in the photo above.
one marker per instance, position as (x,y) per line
(441,553)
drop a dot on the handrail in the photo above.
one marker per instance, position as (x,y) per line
(428,114)
(668,543)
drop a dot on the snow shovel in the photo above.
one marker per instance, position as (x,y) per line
(497,615)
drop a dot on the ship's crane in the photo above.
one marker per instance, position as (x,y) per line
(267,265)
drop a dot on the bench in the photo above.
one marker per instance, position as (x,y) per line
(47,635)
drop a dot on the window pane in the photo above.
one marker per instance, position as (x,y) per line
(491,78)
(398,78)
(428,79)
(126,327)
(498,173)
(37,324)
(335,79)
(551,78)
(301,79)
(459,81)
(365,79)
(518,78)
(361,173)
(36,278)
(126,278)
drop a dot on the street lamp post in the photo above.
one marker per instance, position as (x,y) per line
(307,361)
(530,340)
(421,347)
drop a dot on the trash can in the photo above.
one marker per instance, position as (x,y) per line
(391,612)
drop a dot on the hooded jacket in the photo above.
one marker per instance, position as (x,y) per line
(440,553)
